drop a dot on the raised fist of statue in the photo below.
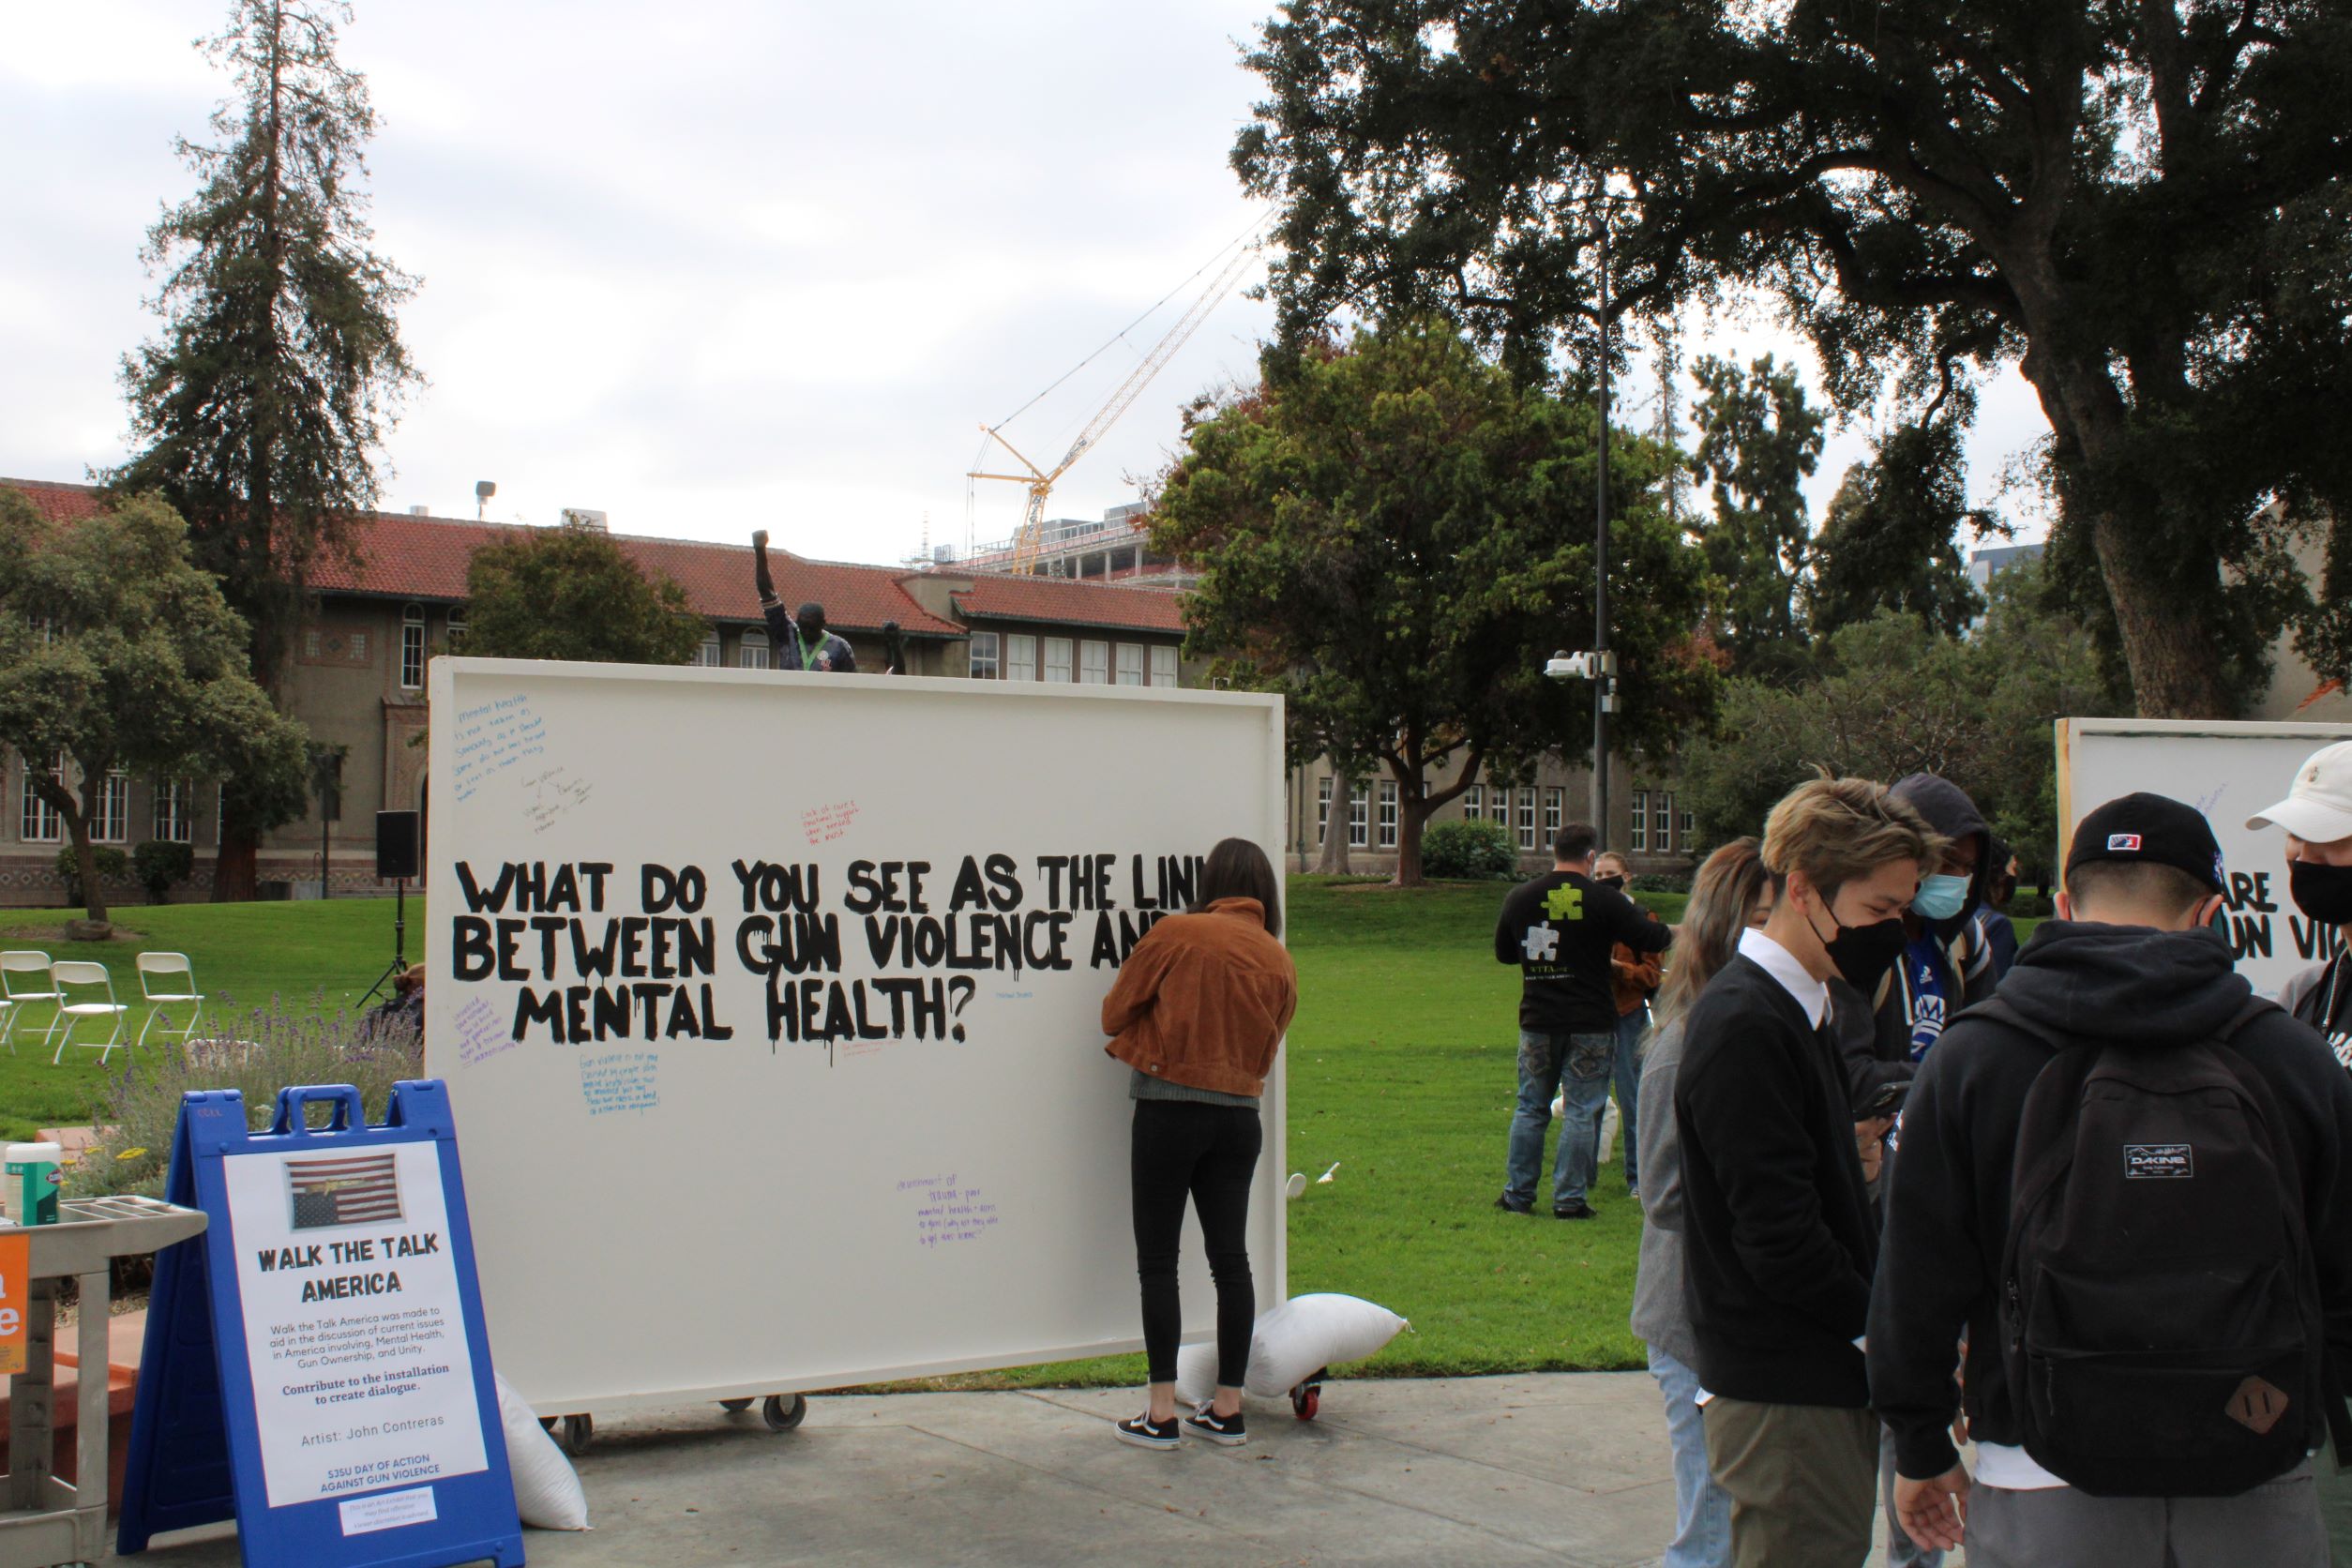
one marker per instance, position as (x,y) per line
(760,538)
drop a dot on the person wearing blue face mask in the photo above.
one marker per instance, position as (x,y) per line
(1947,964)
(1888,1022)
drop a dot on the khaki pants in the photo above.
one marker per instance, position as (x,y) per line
(1803,1480)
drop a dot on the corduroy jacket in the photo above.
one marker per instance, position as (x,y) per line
(1204,999)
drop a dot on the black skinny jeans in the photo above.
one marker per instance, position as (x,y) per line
(1208,1153)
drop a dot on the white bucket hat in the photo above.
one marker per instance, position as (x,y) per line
(2318,809)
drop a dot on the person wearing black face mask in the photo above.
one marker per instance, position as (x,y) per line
(1889,1023)
(1780,1240)
(2317,816)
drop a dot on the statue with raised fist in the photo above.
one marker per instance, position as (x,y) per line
(798,636)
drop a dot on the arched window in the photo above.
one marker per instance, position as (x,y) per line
(752,652)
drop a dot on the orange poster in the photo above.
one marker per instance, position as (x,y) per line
(16,1279)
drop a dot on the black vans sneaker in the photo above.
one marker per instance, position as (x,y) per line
(1224,1429)
(1144,1432)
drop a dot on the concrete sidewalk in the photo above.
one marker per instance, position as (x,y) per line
(1557,1469)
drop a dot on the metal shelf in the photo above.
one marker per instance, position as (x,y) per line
(45,1522)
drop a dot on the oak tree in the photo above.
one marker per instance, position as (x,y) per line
(1397,537)
(118,653)
(572,592)
(2147,207)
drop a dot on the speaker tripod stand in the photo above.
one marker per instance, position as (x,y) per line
(399,939)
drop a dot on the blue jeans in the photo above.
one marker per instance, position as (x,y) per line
(1630,1029)
(1578,1065)
(1702,1511)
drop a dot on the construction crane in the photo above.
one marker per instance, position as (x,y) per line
(1040,482)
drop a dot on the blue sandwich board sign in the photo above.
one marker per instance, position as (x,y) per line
(316,1364)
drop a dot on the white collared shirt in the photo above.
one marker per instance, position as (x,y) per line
(1782,965)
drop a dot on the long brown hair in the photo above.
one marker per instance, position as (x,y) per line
(1723,895)
(1238,868)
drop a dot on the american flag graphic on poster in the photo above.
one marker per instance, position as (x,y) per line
(355,1190)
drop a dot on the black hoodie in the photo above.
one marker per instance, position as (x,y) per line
(1947,1202)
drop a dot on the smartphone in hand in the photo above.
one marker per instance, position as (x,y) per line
(1885,1101)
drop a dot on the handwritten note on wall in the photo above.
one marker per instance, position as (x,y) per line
(482,1032)
(826,823)
(947,1213)
(493,736)
(620,1080)
(554,794)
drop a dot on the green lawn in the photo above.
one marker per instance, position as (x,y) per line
(245,952)
(1402,1071)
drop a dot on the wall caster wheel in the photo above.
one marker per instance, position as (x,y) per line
(780,1416)
(734,1407)
(579,1431)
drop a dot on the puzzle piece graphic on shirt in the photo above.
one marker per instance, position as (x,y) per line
(1564,903)
(1540,943)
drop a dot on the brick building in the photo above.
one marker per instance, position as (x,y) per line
(358,677)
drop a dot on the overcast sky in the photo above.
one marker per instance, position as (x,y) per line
(713,267)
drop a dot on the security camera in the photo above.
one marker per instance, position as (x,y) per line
(1565,665)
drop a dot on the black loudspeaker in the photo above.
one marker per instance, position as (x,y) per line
(395,846)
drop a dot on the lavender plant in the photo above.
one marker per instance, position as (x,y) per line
(256,1051)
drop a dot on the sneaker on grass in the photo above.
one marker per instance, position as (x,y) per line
(1144,1432)
(1225,1429)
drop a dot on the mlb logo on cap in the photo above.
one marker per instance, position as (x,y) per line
(2149,830)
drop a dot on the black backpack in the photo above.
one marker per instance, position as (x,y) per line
(2160,1316)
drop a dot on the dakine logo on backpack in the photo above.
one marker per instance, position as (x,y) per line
(2158,1162)
(2159,1318)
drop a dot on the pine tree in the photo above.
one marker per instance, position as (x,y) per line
(261,407)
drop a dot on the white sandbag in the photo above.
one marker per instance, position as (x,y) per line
(1300,1336)
(1197,1373)
(547,1489)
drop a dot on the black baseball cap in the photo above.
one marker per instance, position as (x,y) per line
(2149,830)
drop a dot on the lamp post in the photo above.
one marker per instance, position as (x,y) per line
(1602,698)
(1599,664)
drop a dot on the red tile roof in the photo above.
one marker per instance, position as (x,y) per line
(408,557)
(59,503)
(1069,603)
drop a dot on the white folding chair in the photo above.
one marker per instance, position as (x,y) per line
(173,972)
(25,979)
(81,976)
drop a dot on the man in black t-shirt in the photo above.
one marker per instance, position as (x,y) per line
(1560,929)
